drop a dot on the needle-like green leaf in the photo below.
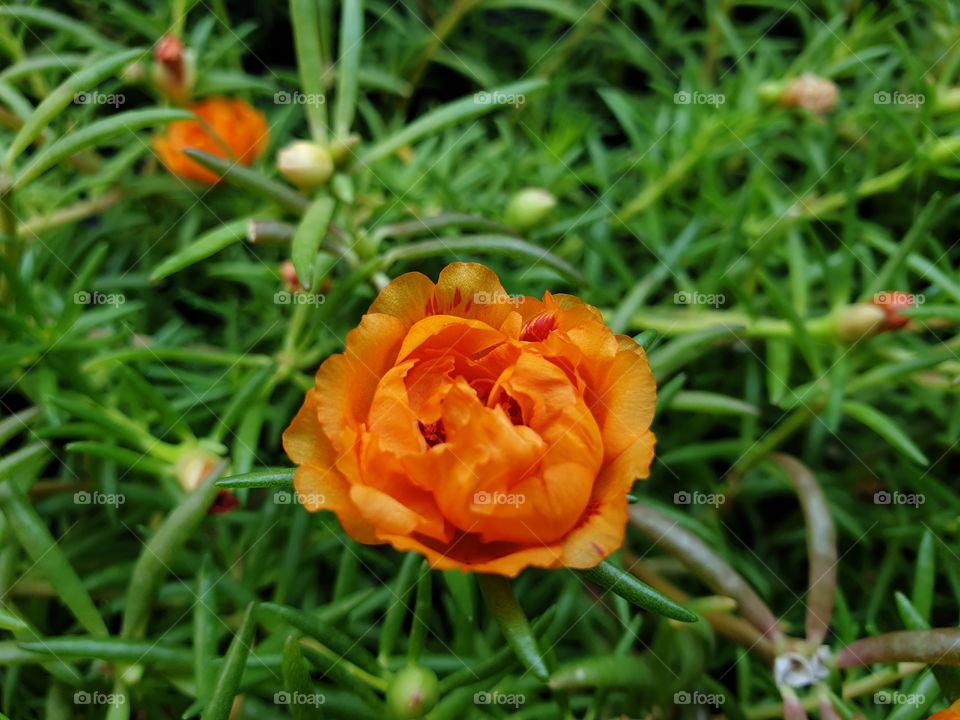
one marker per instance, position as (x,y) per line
(264,478)
(221,701)
(609,576)
(62,96)
(309,236)
(94,134)
(513,623)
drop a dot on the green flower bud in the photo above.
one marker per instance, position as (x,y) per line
(529,208)
(305,164)
(412,693)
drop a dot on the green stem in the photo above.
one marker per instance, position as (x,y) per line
(683,323)
(8,229)
(938,152)
(79,211)
(677,170)
(440,32)
(797,419)
(345,666)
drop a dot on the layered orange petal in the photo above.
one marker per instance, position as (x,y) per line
(487,432)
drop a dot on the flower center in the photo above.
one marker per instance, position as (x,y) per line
(539,327)
(512,408)
(433,432)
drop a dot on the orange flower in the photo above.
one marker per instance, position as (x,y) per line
(488,432)
(226,128)
(950,713)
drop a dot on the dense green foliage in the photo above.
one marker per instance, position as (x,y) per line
(144,338)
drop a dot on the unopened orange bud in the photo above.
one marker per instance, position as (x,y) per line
(892,302)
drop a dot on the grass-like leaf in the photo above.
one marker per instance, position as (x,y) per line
(610,577)
(513,623)
(94,134)
(221,701)
(60,98)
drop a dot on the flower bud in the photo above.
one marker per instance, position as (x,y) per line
(412,693)
(193,466)
(529,208)
(305,164)
(891,303)
(856,322)
(174,69)
(288,275)
(812,92)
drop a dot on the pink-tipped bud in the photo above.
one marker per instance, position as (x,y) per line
(892,302)
(173,69)
(288,275)
(412,692)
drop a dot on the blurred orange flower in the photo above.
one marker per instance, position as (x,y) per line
(950,713)
(226,128)
(489,432)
